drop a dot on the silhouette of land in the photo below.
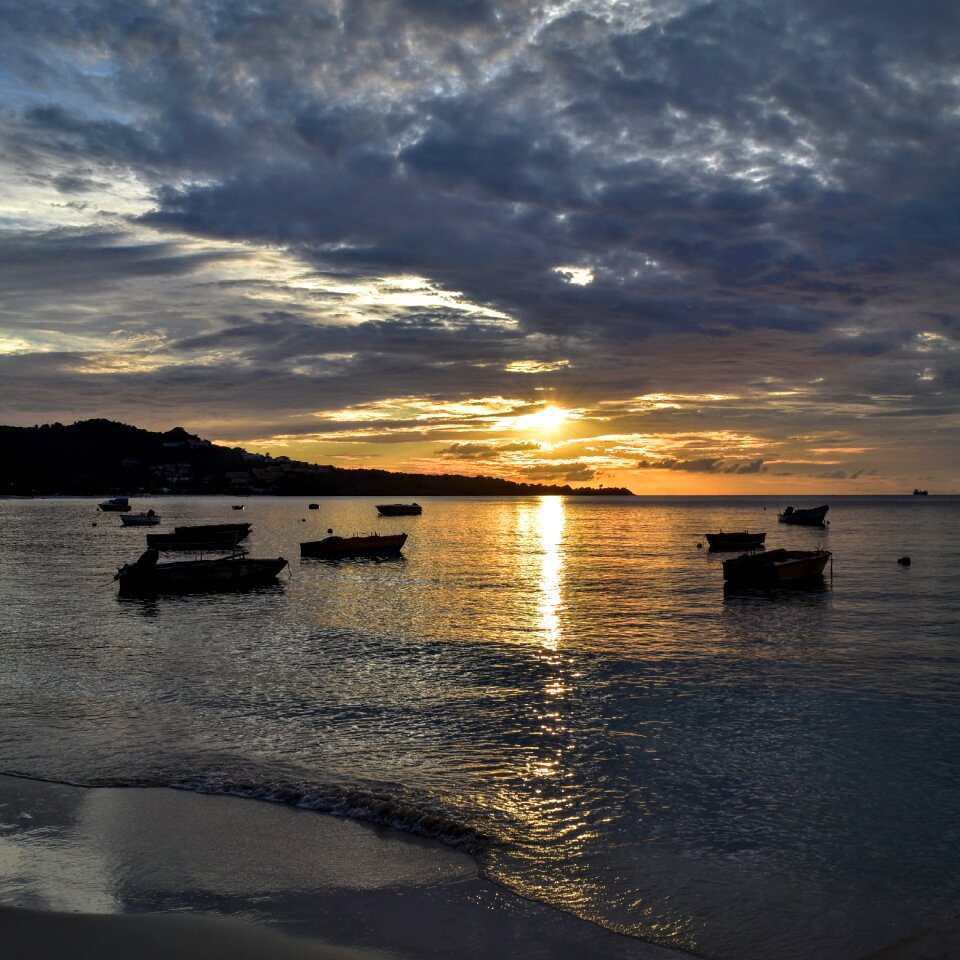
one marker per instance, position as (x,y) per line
(95,457)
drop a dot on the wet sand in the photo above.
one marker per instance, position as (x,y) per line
(159,873)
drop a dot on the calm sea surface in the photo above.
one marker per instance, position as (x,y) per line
(561,686)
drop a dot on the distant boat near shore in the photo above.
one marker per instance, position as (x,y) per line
(372,545)
(148,519)
(743,540)
(399,509)
(211,536)
(811,517)
(114,505)
(917,492)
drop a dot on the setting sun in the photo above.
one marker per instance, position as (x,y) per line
(543,421)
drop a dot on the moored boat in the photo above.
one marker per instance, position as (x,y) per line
(399,509)
(237,506)
(917,492)
(810,517)
(735,541)
(147,577)
(372,545)
(776,567)
(115,505)
(148,519)
(210,536)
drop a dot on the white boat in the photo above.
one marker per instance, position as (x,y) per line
(148,519)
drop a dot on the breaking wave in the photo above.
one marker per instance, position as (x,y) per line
(353,803)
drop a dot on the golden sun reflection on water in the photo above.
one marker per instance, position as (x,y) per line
(550,809)
(550,524)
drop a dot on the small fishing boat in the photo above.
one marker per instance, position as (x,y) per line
(210,536)
(917,492)
(372,545)
(313,506)
(148,519)
(399,509)
(237,506)
(115,505)
(775,567)
(735,541)
(148,577)
(811,517)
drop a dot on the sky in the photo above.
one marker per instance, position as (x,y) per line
(677,246)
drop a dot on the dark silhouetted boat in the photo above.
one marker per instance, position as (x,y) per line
(211,536)
(148,577)
(313,506)
(774,568)
(917,492)
(237,506)
(372,545)
(148,519)
(115,505)
(811,517)
(735,541)
(399,509)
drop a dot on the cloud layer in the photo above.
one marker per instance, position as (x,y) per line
(726,235)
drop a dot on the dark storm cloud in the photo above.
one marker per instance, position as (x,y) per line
(703,465)
(570,471)
(474,450)
(79,263)
(773,185)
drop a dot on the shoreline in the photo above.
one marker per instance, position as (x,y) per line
(161,873)
(88,873)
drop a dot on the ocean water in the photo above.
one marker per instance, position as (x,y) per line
(561,687)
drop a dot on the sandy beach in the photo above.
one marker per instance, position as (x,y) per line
(160,873)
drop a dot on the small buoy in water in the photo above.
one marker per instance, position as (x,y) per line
(329,529)
(303,519)
(94,523)
(699,546)
(903,561)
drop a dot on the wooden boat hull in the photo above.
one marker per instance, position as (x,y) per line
(399,509)
(140,520)
(146,577)
(110,506)
(212,536)
(776,567)
(814,517)
(372,546)
(735,541)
